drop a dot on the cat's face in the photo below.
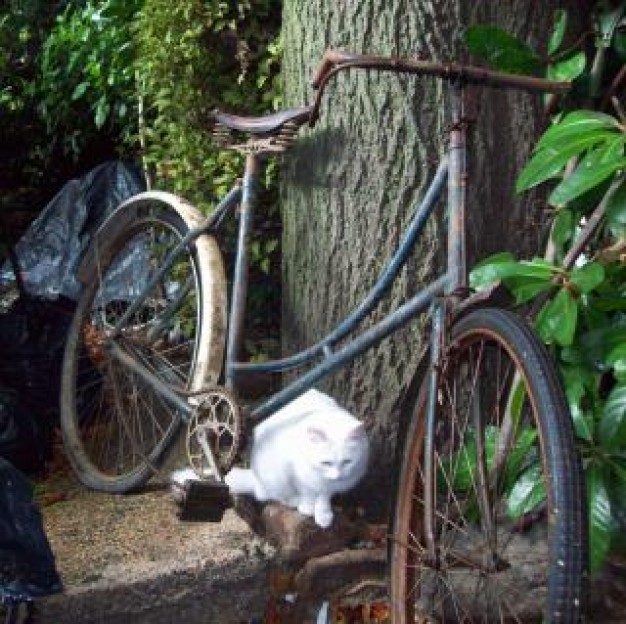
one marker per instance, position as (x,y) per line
(338,457)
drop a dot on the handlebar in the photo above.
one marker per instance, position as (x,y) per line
(334,61)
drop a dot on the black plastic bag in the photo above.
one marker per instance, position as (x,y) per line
(22,441)
(50,251)
(27,567)
(32,340)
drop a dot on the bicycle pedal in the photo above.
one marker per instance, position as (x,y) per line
(204,501)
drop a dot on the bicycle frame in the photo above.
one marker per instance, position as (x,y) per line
(452,169)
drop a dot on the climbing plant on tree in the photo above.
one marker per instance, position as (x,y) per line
(577,289)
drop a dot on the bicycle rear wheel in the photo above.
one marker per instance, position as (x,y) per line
(505,491)
(116,425)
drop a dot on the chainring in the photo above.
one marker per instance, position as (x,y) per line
(216,420)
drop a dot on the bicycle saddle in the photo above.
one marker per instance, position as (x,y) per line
(266,124)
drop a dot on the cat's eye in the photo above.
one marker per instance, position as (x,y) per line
(346,462)
(327,464)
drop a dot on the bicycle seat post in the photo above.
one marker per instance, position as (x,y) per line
(240,280)
(457,190)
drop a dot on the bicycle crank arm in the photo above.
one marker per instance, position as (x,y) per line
(208,453)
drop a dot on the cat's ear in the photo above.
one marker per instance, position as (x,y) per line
(315,435)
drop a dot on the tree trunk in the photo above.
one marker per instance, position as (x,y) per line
(349,188)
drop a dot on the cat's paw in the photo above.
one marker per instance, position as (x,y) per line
(239,481)
(323,518)
(306,508)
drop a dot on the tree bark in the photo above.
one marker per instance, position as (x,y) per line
(349,187)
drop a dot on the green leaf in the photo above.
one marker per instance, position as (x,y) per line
(562,227)
(612,427)
(576,380)
(609,20)
(556,322)
(596,344)
(550,160)
(617,359)
(575,124)
(558,31)
(524,289)
(501,50)
(102,112)
(79,91)
(594,168)
(502,267)
(616,211)
(569,68)
(600,517)
(521,454)
(588,277)
(527,494)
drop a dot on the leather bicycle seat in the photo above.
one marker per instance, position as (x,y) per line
(267,123)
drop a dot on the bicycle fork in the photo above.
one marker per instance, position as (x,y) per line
(440,312)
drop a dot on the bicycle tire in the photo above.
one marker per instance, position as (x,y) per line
(505,550)
(116,428)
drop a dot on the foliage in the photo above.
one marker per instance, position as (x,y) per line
(578,289)
(92,78)
(194,57)
(24,25)
(86,75)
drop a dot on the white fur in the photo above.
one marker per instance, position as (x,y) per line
(302,455)
(182,475)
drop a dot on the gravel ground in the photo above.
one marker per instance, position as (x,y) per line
(130,558)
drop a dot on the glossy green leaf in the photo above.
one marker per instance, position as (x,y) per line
(568,69)
(550,160)
(616,210)
(588,276)
(522,453)
(80,90)
(501,50)
(616,358)
(562,227)
(576,380)
(558,31)
(556,322)
(612,427)
(609,18)
(598,343)
(102,112)
(460,467)
(600,518)
(527,494)
(525,289)
(592,170)
(575,124)
(502,267)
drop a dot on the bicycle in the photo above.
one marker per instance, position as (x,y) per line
(488,469)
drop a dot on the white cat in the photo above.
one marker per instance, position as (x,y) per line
(302,455)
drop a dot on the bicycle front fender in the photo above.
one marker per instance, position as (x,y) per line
(122,218)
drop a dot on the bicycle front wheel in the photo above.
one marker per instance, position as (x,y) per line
(116,423)
(490,518)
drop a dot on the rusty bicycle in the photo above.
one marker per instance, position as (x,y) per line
(489,517)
